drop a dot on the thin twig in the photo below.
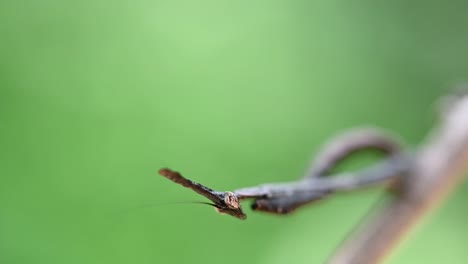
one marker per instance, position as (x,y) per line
(437,167)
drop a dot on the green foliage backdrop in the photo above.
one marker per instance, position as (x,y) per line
(95,96)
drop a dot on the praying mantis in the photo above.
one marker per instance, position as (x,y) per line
(284,198)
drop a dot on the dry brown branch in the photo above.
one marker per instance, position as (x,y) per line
(437,168)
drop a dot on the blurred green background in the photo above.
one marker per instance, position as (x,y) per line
(96,96)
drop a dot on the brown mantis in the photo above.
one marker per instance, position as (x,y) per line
(283,198)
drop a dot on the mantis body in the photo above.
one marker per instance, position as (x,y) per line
(283,198)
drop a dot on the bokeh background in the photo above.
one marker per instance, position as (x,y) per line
(97,95)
